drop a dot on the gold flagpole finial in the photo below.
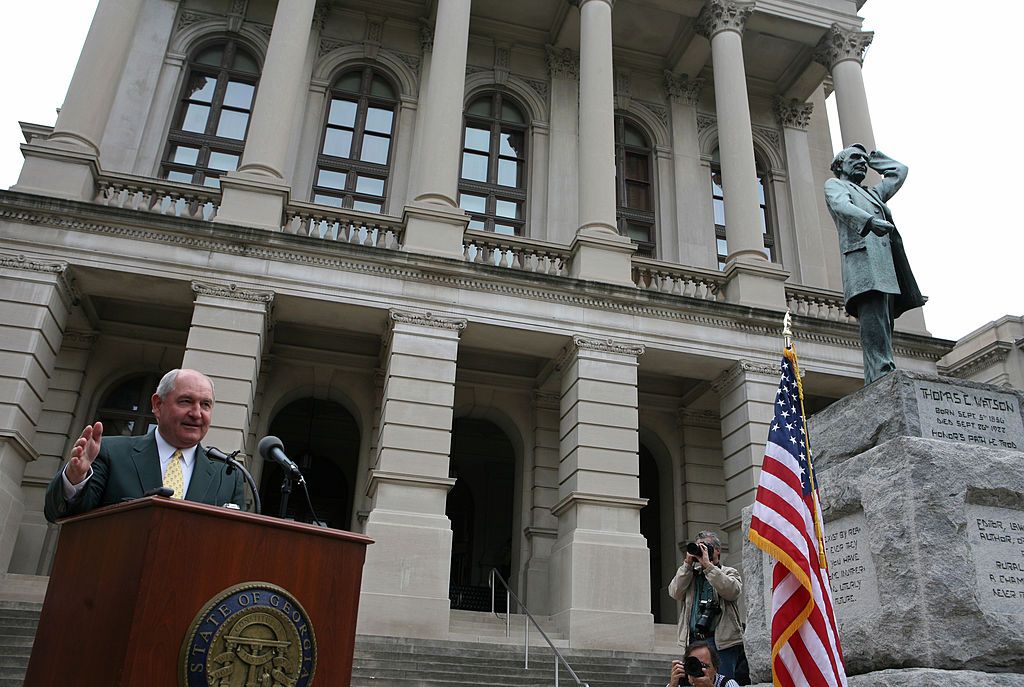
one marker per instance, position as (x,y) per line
(787,330)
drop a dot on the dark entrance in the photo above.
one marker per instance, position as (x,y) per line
(323,440)
(480,507)
(650,523)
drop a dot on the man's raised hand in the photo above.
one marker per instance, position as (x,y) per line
(84,453)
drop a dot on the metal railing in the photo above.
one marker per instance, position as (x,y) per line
(509,594)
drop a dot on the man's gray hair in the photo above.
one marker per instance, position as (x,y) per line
(840,158)
(167,382)
(708,534)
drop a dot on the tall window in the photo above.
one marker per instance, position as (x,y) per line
(492,183)
(208,133)
(352,167)
(125,410)
(718,201)
(634,193)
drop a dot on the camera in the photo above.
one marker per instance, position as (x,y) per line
(707,614)
(693,549)
(693,666)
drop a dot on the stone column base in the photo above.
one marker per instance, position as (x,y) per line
(602,255)
(434,229)
(53,169)
(252,200)
(758,284)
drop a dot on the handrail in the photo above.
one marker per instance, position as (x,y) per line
(508,624)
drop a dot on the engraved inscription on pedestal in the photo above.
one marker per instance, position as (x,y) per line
(969,416)
(851,568)
(997,544)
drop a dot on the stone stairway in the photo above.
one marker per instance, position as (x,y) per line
(18,622)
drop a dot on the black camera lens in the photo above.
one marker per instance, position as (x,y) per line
(693,666)
(694,550)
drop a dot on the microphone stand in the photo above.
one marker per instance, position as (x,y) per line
(234,464)
(286,492)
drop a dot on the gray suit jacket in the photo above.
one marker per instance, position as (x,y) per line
(871,262)
(128,467)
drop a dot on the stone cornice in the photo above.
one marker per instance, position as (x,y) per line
(723,15)
(993,354)
(232,291)
(793,113)
(548,400)
(577,498)
(562,62)
(79,338)
(20,262)
(707,419)
(425,319)
(740,369)
(839,44)
(682,89)
(607,346)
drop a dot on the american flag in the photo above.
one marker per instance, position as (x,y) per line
(786,524)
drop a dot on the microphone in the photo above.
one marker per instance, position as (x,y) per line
(272,448)
(216,454)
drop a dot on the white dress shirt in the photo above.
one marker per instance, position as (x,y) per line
(165,450)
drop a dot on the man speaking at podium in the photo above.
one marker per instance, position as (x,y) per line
(104,471)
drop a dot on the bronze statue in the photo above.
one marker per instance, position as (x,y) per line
(877,281)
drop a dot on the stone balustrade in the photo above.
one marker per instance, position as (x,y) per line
(666,277)
(516,253)
(342,226)
(154,195)
(818,304)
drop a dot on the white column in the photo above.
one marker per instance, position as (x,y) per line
(542,527)
(434,223)
(406,575)
(226,342)
(255,194)
(35,300)
(842,52)
(600,566)
(563,218)
(746,393)
(65,163)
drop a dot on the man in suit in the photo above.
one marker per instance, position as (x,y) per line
(877,282)
(102,471)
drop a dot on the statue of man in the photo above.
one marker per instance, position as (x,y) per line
(877,281)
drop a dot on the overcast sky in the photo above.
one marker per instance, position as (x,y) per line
(942,82)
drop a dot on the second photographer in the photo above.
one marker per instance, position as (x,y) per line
(709,593)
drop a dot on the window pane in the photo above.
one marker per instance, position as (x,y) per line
(511,113)
(232,124)
(370,186)
(343,113)
(638,232)
(375,149)
(474,167)
(506,229)
(723,246)
(381,88)
(184,155)
(477,224)
(211,56)
(211,181)
(508,173)
(338,142)
(195,118)
(637,167)
(321,199)
(507,208)
(331,179)
(764,222)
(350,82)
(716,184)
(244,62)
(239,95)
(225,162)
(379,120)
(364,206)
(201,88)
(471,203)
(638,196)
(180,177)
(511,144)
(633,137)
(760,191)
(719,212)
(478,139)
(480,106)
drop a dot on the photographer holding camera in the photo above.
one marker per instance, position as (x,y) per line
(710,594)
(699,668)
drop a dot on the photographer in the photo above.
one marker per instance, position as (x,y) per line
(699,668)
(710,594)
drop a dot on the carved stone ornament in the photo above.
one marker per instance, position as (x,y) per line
(188,17)
(723,15)
(321,12)
(562,62)
(502,63)
(546,399)
(793,113)
(683,89)
(236,15)
(540,87)
(840,44)
(427,319)
(231,291)
(426,36)
(328,45)
(20,262)
(608,346)
(742,368)
(708,419)
(705,121)
(656,109)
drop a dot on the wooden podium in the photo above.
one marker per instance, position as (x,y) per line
(129,583)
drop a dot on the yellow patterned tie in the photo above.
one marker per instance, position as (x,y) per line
(174,478)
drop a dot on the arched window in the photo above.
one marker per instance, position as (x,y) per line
(634,191)
(492,182)
(125,410)
(718,201)
(208,132)
(352,167)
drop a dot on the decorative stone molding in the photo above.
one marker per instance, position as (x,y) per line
(187,18)
(562,63)
(426,36)
(232,291)
(839,44)
(328,45)
(707,419)
(576,498)
(705,122)
(993,354)
(549,400)
(502,63)
(321,12)
(413,62)
(20,262)
(541,88)
(723,15)
(373,38)
(79,338)
(608,346)
(623,88)
(793,113)
(425,319)
(682,89)
(741,368)
(769,138)
(236,15)
(657,109)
